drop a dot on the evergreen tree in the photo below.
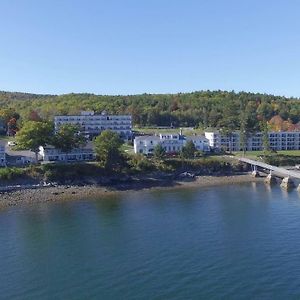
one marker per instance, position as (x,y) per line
(159,152)
(189,150)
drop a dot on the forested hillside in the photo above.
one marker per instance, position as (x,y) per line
(199,109)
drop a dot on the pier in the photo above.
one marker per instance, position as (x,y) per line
(280,172)
(286,175)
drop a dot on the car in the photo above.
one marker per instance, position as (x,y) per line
(11,143)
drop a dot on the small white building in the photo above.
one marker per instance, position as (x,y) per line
(51,154)
(93,124)
(172,143)
(2,154)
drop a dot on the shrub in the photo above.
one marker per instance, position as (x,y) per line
(139,163)
(11,173)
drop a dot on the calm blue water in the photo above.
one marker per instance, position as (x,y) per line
(230,242)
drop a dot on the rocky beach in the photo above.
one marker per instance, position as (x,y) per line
(72,192)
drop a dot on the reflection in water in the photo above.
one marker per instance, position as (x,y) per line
(254,186)
(268,189)
(208,243)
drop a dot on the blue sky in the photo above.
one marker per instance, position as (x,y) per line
(149,46)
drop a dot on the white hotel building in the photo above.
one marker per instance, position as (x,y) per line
(172,143)
(283,140)
(51,154)
(93,124)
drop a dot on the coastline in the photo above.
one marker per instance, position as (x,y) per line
(70,193)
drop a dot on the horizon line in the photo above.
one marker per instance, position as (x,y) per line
(149,93)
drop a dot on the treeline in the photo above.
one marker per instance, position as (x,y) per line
(198,109)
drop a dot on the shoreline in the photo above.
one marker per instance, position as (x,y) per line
(72,193)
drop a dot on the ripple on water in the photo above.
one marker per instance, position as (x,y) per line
(234,242)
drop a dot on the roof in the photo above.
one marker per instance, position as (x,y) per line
(147,137)
(89,145)
(197,137)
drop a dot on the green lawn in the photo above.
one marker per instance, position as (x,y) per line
(185,130)
(128,148)
(259,153)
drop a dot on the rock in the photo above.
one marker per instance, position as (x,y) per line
(255,174)
(287,183)
(270,179)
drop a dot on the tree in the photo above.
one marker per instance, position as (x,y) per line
(189,150)
(159,151)
(12,127)
(68,138)
(265,111)
(247,126)
(34,116)
(265,136)
(33,135)
(108,149)
(230,121)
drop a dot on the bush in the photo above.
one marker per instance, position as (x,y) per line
(64,172)
(204,165)
(281,160)
(11,173)
(140,163)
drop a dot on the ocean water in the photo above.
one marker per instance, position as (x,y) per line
(227,242)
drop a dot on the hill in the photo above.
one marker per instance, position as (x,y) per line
(200,109)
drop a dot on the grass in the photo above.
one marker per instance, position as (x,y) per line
(279,158)
(128,148)
(11,173)
(185,130)
(254,154)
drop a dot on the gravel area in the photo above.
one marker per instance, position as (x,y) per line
(66,193)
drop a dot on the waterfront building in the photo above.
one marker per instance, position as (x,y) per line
(92,124)
(2,154)
(172,143)
(51,154)
(282,140)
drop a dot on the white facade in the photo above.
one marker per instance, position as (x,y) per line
(172,143)
(2,154)
(93,124)
(283,140)
(49,153)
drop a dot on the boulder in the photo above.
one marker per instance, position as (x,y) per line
(270,179)
(287,183)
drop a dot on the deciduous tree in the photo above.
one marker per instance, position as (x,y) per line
(68,137)
(108,150)
(33,135)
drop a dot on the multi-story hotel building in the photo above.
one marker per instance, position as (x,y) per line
(172,143)
(283,140)
(2,154)
(93,124)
